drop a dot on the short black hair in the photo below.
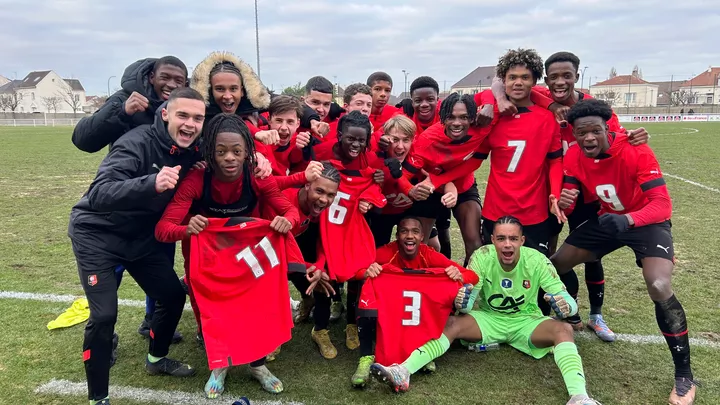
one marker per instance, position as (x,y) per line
(520,57)
(424,82)
(591,107)
(355,119)
(185,92)
(355,88)
(563,57)
(319,84)
(508,219)
(447,105)
(379,77)
(226,122)
(170,60)
(411,217)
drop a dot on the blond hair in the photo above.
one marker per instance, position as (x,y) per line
(401,123)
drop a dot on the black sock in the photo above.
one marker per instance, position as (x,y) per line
(258,363)
(353,295)
(673,325)
(366,332)
(595,281)
(321,313)
(572,285)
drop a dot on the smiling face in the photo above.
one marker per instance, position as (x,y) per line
(230,154)
(285,123)
(508,239)
(591,135)
(353,142)
(166,79)
(425,101)
(409,236)
(184,119)
(227,91)
(458,123)
(320,102)
(320,194)
(399,144)
(561,78)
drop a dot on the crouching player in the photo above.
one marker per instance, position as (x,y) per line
(635,212)
(509,277)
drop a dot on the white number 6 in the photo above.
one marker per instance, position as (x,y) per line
(336,211)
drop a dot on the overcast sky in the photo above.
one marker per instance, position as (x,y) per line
(446,39)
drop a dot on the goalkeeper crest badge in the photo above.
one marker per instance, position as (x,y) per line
(526,284)
(506,283)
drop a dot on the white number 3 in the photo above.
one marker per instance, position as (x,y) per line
(607,193)
(519,148)
(413,308)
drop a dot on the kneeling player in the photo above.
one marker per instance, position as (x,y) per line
(408,252)
(635,212)
(509,275)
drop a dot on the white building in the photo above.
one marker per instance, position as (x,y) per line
(626,91)
(703,88)
(42,92)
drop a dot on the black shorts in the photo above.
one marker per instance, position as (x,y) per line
(307,242)
(536,236)
(582,212)
(434,208)
(653,240)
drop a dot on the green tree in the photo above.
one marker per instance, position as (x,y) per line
(297,90)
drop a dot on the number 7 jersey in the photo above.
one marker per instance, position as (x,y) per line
(346,237)
(411,306)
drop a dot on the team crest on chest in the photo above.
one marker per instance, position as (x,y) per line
(526,284)
(506,283)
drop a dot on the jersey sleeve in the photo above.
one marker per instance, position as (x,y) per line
(367,304)
(384,254)
(554,157)
(277,201)
(547,276)
(437,259)
(654,188)
(463,169)
(295,261)
(615,126)
(540,96)
(374,196)
(570,182)
(293,180)
(412,167)
(170,228)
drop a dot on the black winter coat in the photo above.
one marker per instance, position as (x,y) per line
(110,122)
(117,215)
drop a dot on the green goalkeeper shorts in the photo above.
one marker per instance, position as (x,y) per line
(513,330)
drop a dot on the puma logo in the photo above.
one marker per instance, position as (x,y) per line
(155,166)
(545,245)
(364,302)
(666,249)
(420,350)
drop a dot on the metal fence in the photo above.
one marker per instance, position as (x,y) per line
(50,122)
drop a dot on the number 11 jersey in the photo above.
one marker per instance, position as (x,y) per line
(411,306)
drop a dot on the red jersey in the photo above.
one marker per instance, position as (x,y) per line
(522,147)
(420,127)
(426,257)
(436,153)
(347,241)
(397,201)
(627,180)
(411,306)
(286,156)
(237,267)
(387,112)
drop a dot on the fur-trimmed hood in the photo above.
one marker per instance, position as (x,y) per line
(255,95)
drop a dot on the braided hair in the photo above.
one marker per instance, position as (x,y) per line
(355,119)
(509,219)
(330,172)
(448,104)
(227,67)
(225,122)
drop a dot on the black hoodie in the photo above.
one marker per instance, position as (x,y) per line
(118,213)
(110,122)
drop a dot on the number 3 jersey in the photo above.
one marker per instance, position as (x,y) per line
(411,306)
(239,272)
(346,238)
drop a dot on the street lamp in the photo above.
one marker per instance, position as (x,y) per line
(108,85)
(582,80)
(406,75)
(257,39)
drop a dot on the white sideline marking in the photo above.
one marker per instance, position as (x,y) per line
(694,183)
(649,339)
(67,298)
(690,132)
(144,395)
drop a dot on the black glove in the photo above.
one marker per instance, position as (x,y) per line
(335,111)
(395,167)
(407,107)
(614,223)
(308,151)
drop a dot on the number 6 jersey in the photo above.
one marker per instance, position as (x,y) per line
(411,306)
(346,238)
(239,272)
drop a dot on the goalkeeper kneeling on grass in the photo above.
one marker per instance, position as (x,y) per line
(510,276)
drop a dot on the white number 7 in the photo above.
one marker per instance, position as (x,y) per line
(251,260)
(519,148)
(413,308)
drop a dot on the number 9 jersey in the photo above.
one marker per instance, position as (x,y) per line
(346,237)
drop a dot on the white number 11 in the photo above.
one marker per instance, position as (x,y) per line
(251,260)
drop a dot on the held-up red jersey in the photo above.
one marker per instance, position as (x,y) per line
(426,257)
(411,306)
(237,267)
(627,180)
(347,241)
(436,153)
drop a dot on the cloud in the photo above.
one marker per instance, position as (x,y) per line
(93,40)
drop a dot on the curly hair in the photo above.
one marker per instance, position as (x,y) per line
(447,106)
(225,122)
(589,108)
(355,88)
(520,57)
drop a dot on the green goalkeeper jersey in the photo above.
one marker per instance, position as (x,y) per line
(515,292)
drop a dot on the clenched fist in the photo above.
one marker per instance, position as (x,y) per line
(135,103)
(196,225)
(167,179)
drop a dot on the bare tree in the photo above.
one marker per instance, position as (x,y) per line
(681,97)
(613,73)
(98,102)
(52,103)
(609,96)
(11,100)
(71,99)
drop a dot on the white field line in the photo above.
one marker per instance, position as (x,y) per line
(694,183)
(689,131)
(622,337)
(143,395)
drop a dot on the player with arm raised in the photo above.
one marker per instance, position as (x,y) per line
(509,276)
(635,212)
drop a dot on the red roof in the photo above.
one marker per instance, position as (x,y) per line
(619,80)
(706,78)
